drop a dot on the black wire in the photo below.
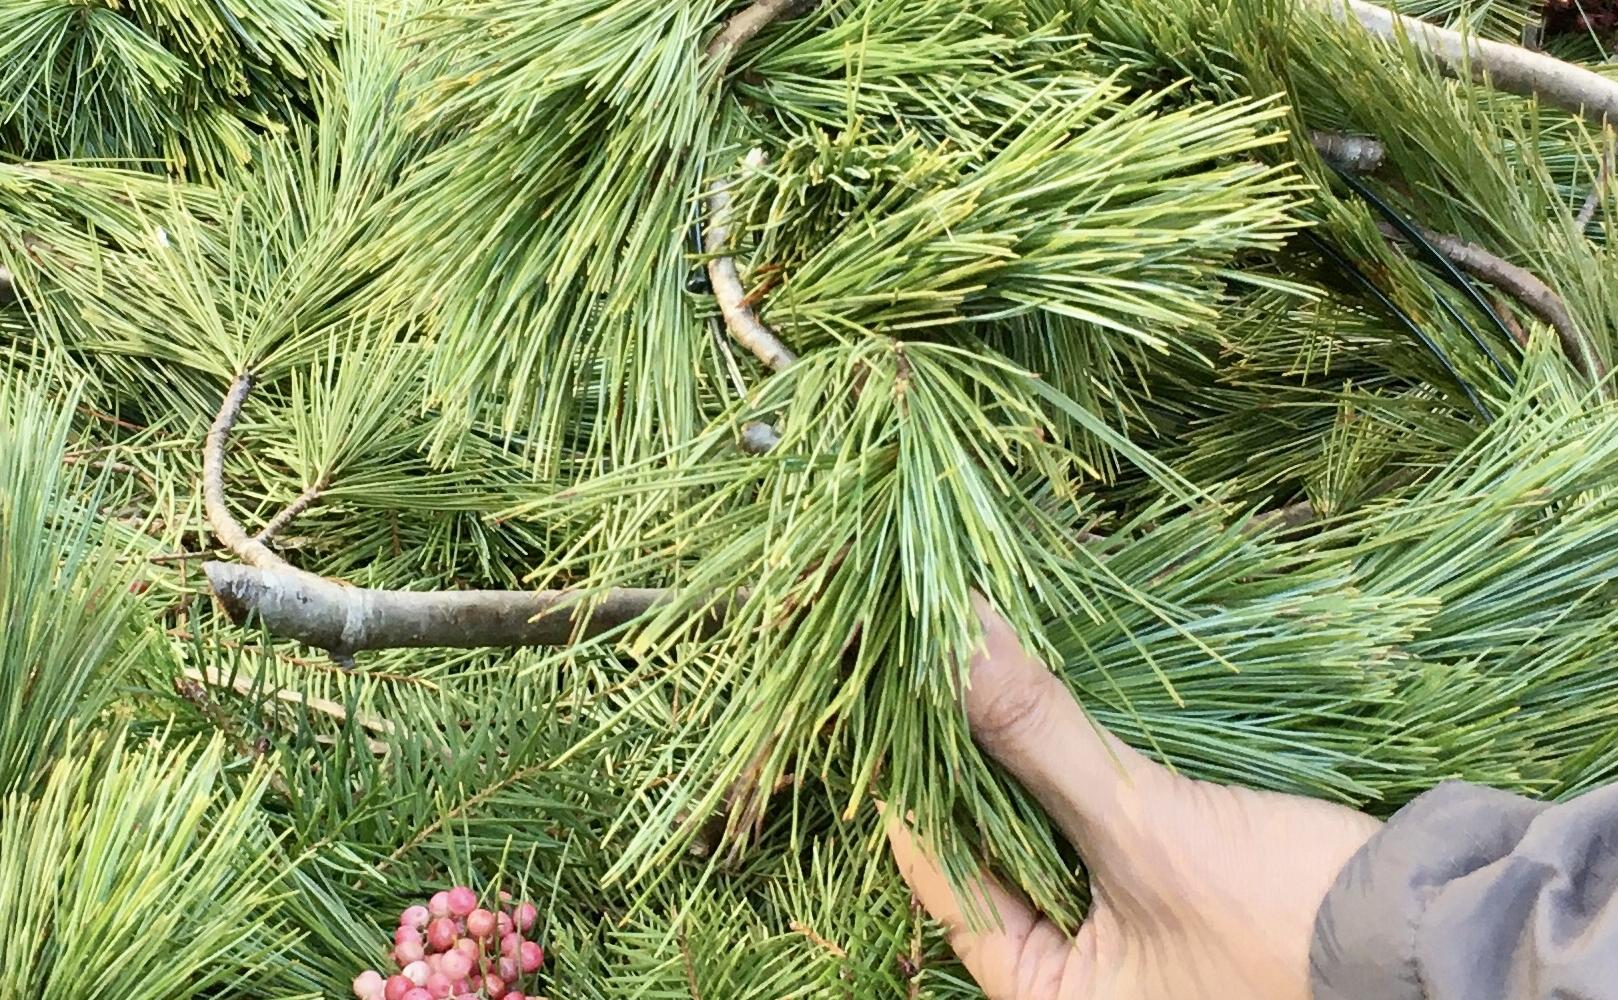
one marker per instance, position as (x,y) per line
(1451,273)
(1360,277)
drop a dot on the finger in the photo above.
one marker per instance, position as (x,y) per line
(1098,790)
(986,930)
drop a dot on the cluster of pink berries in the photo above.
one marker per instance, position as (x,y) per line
(454,948)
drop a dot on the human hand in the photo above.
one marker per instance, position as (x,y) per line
(1199,890)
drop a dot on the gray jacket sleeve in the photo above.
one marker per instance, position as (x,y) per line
(1470,893)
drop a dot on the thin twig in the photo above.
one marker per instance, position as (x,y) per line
(90,411)
(193,691)
(724,276)
(303,662)
(290,512)
(225,526)
(180,557)
(247,686)
(1508,67)
(1294,515)
(809,932)
(1592,201)
(690,967)
(1524,286)
(1359,154)
(111,466)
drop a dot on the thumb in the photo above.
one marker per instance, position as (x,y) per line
(1097,789)
(997,936)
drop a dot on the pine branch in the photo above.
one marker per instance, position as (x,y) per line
(1524,286)
(1508,67)
(723,274)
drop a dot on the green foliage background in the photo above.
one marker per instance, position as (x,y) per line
(1077,305)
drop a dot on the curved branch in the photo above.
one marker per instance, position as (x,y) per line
(225,526)
(1524,286)
(343,620)
(1508,67)
(744,325)
(723,274)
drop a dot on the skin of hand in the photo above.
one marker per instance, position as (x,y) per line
(1200,891)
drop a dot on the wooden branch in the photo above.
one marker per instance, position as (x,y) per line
(723,274)
(1524,286)
(225,526)
(290,512)
(343,620)
(739,30)
(1359,154)
(1509,67)
(744,325)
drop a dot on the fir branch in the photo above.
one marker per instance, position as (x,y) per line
(1524,286)
(1360,154)
(1509,67)
(831,947)
(343,620)
(246,686)
(304,663)
(466,805)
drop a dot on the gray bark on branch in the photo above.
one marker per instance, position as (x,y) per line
(1510,68)
(344,620)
